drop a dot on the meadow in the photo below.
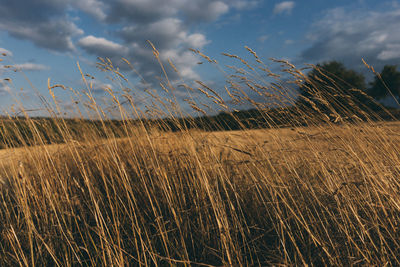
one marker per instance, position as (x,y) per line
(309,183)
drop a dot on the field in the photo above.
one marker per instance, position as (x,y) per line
(311,182)
(321,195)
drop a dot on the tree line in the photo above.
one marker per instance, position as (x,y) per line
(333,77)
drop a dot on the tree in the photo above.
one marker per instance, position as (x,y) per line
(332,88)
(333,75)
(388,79)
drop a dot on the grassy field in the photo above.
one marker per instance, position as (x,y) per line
(316,195)
(323,190)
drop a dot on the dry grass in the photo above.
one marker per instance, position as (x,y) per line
(326,194)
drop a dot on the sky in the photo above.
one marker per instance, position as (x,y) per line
(45,39)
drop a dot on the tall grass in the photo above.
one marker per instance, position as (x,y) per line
(317,184)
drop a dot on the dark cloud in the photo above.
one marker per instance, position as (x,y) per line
(141,11)
(167,23)
(42,22)
(166,33)
(30,11)
(148,11)
(351,36)
(54,35)
(94,8)
(141,57)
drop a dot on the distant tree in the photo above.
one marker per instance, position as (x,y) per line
(332,76)
(333,88)
(389,78)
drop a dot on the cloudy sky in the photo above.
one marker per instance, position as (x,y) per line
(46,38)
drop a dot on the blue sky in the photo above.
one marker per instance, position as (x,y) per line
(45,38)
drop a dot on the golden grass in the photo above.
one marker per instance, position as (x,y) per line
(325,194)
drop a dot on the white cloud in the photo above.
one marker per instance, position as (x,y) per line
(349,36)
(184,60)
(216,9)
(92,7)
(391,51)
(101,46)
(30,67)
(99,87)
(196,40)
(284,7)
